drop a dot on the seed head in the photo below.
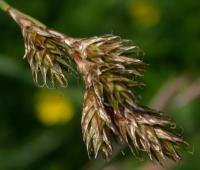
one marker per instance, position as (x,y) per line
(46,50)
(111,110)
(111,71)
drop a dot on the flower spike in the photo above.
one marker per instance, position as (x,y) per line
(111,71)
(46,51)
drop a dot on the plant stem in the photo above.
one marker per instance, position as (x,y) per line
(17,14)
(4,6)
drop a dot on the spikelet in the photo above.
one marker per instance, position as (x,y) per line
(111,106)
(46,50)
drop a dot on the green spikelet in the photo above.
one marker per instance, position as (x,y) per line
(111,71)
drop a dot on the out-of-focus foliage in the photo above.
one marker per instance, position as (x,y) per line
(169,33)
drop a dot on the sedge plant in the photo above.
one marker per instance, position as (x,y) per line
(111,70)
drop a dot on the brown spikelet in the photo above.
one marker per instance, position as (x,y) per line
(46,51)
(111,105)
(95,131)
(111,72)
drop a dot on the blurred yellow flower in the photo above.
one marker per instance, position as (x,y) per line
(145,13)
(53,108)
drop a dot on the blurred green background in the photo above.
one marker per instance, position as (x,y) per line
(40,129)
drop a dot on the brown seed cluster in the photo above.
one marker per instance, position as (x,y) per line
(111,71)
(111,108)
(46,51)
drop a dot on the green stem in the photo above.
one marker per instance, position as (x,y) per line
(4,6)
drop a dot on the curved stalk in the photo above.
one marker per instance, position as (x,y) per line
(4,6)
(14,12)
